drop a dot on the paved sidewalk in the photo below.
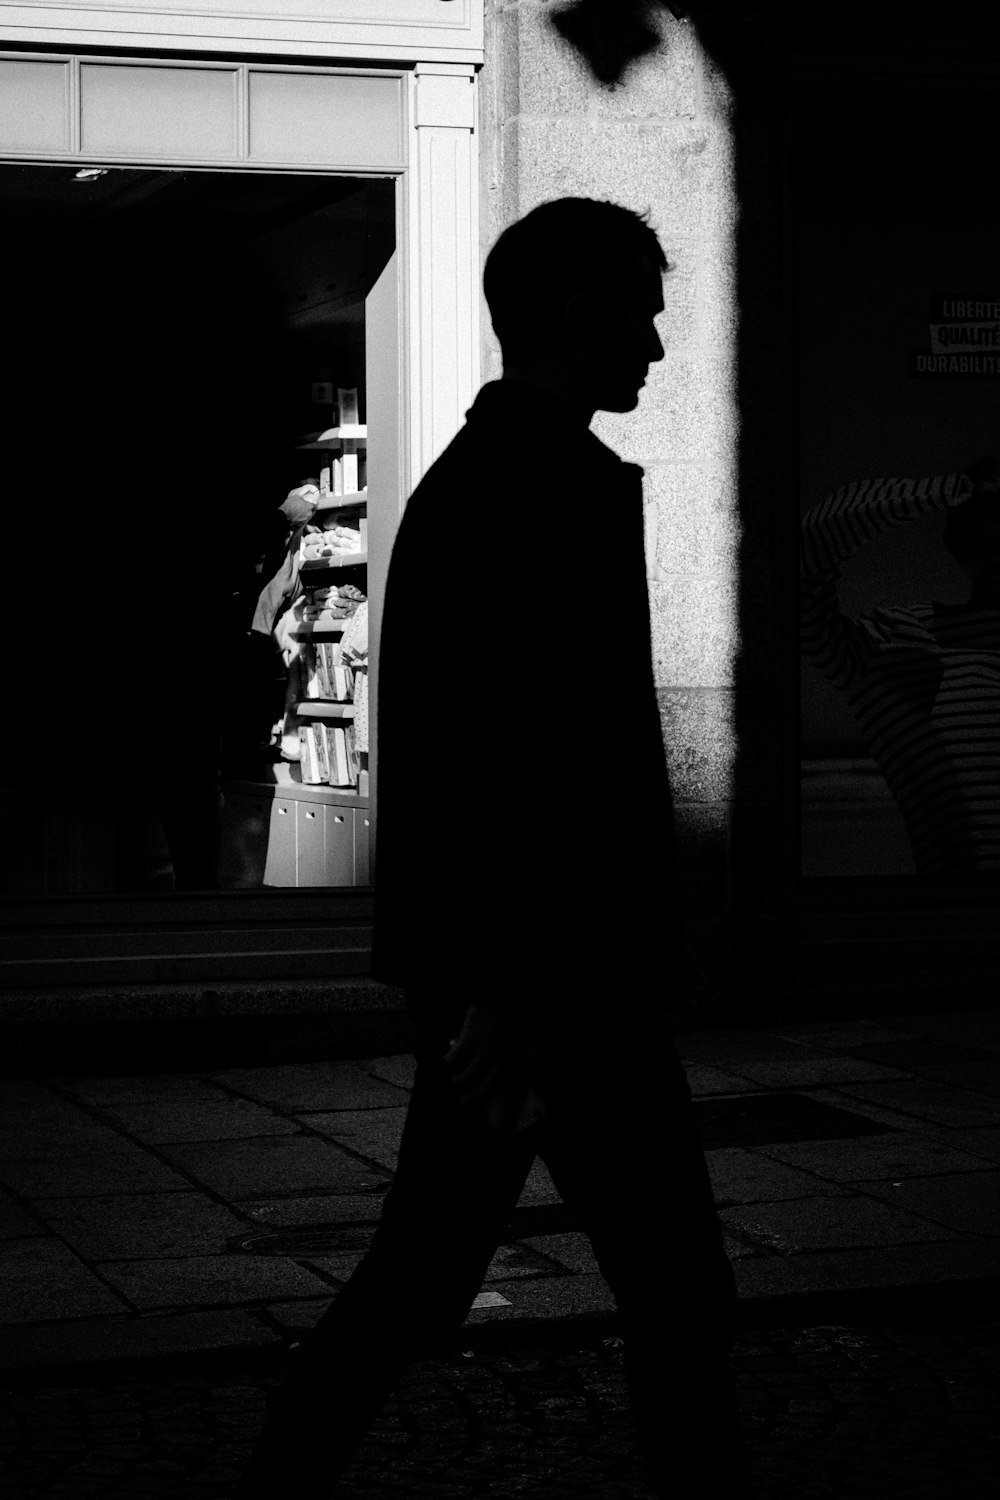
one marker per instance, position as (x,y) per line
(172,1214)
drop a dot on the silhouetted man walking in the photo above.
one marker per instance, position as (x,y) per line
(527,894)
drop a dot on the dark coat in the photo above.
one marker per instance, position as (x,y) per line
(525,852)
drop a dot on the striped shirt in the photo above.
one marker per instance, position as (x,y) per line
(922,680)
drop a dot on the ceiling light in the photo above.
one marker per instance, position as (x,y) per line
(90,174)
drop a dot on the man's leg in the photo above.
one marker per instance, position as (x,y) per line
(452,1197)
(625,1154)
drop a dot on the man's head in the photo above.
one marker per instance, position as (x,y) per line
(573,289)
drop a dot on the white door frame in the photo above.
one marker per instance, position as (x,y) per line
(436,155)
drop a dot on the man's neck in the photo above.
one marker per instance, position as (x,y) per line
(555,387)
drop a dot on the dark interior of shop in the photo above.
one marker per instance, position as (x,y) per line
(171,337)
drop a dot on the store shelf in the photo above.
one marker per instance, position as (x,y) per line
(321,708)
(298,791)
(313,628)
(342,560)
(342,502)
(334,437)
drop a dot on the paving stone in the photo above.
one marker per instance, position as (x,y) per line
(982,1141)
(538,1187)
(893,1155)
(15,1221)
(271,1164)
(199,1118)
(752,1177)
(831,1035)
(520,1260)
(703,1080)
(928,1101)
(572,1250)
(313,1086)
(328,1208)
(200,1281)
(135,1087)
(982,1076)
(40,1174)
(914,1265)
(399,1070)
(807,1069)
(294,1317)
(42,1279)
(559,1298)
(974,1028)
(829,1223)
(373,1133)
(140,1225)
(969,1201)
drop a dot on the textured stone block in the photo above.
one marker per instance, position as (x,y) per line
(14,1222)
(694,631)
(718,299)
(698,735)
(703,820)
(863,1269)
(687,413)
(374,1133)
(271,1164)
(98,1167)
(829,1223)
(681,170)
(140,1225)
(42,1279)
(202,1281)
(540,74)
(696,522)
(141,1087)
(665,84)
(967,1201)
(572,1250)
(399,1070)
(552,1298)
(928,1101)
(539,1188)
(199,1119)
(320,1085)
(750,1177)
(678,324)
(310,1209)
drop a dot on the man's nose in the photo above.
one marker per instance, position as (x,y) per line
(655,347)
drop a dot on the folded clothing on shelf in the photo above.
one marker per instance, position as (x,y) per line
(332,603)
(331,542)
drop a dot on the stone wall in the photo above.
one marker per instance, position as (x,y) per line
(662,141)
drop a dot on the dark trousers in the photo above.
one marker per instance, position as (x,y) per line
(621,1144)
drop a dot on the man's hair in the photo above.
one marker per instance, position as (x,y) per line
(560,248)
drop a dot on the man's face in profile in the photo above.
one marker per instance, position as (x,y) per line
(615,337)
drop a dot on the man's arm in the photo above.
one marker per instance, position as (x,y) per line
(831,533)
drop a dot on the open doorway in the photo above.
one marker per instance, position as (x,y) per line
(187,416)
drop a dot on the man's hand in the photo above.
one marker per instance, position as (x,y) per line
(491,1063)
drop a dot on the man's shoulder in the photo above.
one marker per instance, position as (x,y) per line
(502,446)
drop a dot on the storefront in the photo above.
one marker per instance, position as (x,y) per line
(246,256)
